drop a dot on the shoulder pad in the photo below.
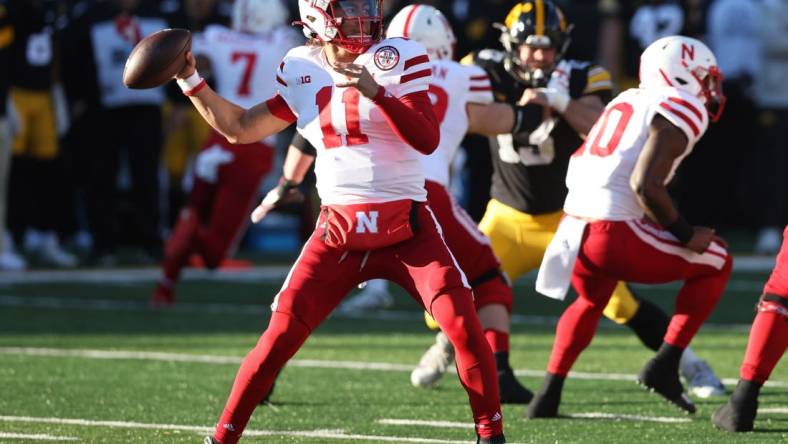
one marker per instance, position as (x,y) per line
(599,79)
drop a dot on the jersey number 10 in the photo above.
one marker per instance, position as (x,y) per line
(612,136)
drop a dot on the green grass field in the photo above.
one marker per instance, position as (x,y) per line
(87,362)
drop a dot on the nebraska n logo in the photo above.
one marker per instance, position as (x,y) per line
(687,50)
(366,223)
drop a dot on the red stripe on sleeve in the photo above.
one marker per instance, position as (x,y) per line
(282,66)
(687,105)
(480,78)
(279,108)
(418,60)
(279,79)
(416,75)
(481,88)
(682,116)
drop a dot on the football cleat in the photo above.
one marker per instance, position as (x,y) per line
(500,439)
(48,250)
(162,297)
(369,299)
(664,380)
(546,401)
(10,261)
(209,440)
(434,363)
(512,392)
(738,414)
(701,380)
(735,417)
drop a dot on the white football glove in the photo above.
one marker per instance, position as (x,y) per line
(285,193)
(208,163)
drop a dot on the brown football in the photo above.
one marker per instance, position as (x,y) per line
(157,58)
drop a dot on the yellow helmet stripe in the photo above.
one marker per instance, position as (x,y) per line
(539,17)
(513,15)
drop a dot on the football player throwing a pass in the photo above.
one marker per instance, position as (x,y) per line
(362,102)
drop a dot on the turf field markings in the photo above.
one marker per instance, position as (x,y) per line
(59,303)
(36,437)
(587,415)
(619,417)
(316,434)
(773,410)
(419,422)
(302,363)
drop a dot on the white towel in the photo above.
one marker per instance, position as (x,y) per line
(555,273)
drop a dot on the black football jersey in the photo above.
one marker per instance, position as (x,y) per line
(529,168)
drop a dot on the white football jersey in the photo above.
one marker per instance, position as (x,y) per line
(359,157)
(244,65)
(453,86)
(599,172)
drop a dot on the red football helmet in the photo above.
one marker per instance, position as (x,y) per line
(354,25)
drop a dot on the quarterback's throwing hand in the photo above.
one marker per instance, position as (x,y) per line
(286,192)
(358,77)
(188,68)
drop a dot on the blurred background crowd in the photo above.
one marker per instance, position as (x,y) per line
(93,174)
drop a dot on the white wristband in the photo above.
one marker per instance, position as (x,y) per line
(191,82)
(559,100)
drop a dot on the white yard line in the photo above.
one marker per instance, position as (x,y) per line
(303,363)
(773,410)
(36,437)
(588,415)
(315,434)
(418,422)
(619,417)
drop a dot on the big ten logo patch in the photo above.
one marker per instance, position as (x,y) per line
(303,80)
(366,223)
(386,58)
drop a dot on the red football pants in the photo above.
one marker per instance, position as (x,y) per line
(322,276)
(471,248)
(637,251)
(769,333)
(221,207)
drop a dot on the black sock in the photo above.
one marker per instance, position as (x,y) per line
(649,324)
(553,383)
(502,360)
(669,354)
(746,391)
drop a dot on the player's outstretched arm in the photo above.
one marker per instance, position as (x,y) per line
(296,165)
(580,113)
(490,119)
(237,124)
(665,143)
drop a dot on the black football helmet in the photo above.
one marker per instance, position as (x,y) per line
(537,24)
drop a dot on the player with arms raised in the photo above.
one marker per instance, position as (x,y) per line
(362,102)
(617,177)
(243,63)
